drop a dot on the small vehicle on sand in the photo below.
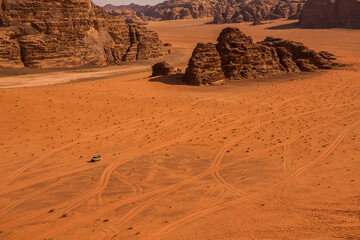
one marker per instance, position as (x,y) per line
(96,158)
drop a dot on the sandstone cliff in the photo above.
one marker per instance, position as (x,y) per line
(330,14)
(236,57)
(58,33)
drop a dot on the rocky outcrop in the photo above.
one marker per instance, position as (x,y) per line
(305,58)
(259,10)
(331,14)
(237,57)
(241,58)
(162,69)
(72,33)
(178,9)
(205,66)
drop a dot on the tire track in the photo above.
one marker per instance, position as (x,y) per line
(294,175)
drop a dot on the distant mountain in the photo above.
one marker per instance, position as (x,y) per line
(133,6)
(223,11)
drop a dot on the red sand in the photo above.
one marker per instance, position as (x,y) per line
(274,159)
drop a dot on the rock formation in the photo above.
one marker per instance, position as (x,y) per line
(331,14)
(72,33)
(259,10)
(223,11)
(205,66)
(162,69)
(236,57)
(241,58)
(128,15)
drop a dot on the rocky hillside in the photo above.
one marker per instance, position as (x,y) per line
(223,11)
(330,14)
(236,57)
(72,33)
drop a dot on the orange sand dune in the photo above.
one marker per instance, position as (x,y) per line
(264,159)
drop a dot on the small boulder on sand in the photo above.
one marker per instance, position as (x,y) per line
(162,68)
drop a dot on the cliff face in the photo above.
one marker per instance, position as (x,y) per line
(331,13)
(69,33)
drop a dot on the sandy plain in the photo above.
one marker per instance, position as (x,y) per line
(271,158)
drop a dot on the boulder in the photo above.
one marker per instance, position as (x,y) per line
(162,68)
(205,66)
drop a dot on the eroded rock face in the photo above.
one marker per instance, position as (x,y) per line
(50,34)
(205,66)
(236,57)
(330,14)
(259,10)
(297,52)
(241,58)
(178,9)
(162,69)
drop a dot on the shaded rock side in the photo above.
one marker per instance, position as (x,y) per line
(237,57)
(162,69)
(331,14)
(205,66)
(72,33)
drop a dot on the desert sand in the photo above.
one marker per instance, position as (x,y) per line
(271,158)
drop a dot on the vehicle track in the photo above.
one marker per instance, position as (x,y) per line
(294,175)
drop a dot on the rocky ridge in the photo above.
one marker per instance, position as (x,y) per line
(331,14)
(72,33)
(223,11)
(237,57)
(128,15)
(259,10)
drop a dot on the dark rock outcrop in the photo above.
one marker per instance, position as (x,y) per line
(331,14)
(258,10)
(162,69)
(205,66)
(236,57)
(72,33)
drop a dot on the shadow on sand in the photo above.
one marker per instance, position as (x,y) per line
(285,26)
(175,79)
